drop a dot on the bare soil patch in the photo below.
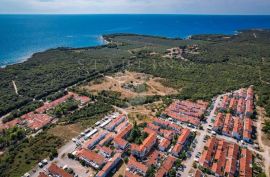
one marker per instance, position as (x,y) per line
(262,116)
(131,85)
(66,132)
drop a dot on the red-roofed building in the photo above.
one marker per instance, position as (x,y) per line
(134,165)
(110,165)
(56,171)
(187,111)
(145,147)
(91,158)
(247,130)
(249,108)
(240,106)
(233,103)
(117,121)
(198,173)
(36,121)
(164,144)
(153,126)
(219,121)
(224,103)
(104,151)
(245,163)
(153,158)
(119,141)
(10,124)
(237,128)
(42,174)
(228,125)
(181,142)
(166,166)
(131,174)
(250,93)
(95,139)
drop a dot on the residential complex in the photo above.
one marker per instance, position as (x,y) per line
(234,115)
(207,148)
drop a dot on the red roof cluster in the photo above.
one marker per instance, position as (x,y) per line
(240,101)
(187,111)
(48,106)
(221,157)
(36,121)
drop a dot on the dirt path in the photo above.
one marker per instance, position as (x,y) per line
(15,87)
(266,153)
(260,75)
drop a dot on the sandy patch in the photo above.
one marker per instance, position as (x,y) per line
(66,132)
(127,82)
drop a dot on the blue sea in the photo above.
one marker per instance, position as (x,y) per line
(23,35)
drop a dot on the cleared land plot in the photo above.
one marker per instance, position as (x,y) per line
(131,85)
(66,132)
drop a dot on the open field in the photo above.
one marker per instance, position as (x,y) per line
(125,83)
(66,132)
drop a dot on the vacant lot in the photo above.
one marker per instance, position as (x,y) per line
(131,85)
(66,132)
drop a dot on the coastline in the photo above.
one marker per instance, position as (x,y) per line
(20,60)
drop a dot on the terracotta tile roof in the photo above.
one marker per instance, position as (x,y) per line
(147,143)
(130,174)
(36,121)
(166,166)
(105,150)
(225,102)
(219,120)
(109,137)
(240,105)
(55,170)
(183,136)
(42,174)
(153,158)
(233,103)
(115,122)
(237,126)
(198,173)
(91,156)
(10,124)
(133,163)
(245,163)
(95,139)
(110,165)
(153,126)
(177,149)
(119,137)
(186,111)
(227,124)
(165,143)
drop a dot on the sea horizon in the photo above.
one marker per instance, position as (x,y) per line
(22,35)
